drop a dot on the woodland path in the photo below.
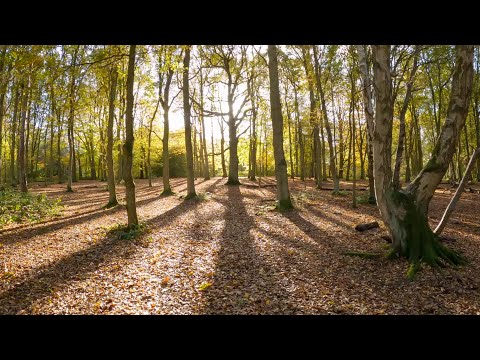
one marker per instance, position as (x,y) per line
(226,254)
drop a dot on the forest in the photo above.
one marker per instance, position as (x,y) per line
(239,179)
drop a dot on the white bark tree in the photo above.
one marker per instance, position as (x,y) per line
(405,211)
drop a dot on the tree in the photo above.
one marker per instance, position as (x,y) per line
(283,194)
(128,145)
(71,161)
(112,196)
(405,211)
(368,108)
(188,127)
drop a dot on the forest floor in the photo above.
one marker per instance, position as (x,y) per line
(227,253)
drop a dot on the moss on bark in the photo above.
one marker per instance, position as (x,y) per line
(413,238)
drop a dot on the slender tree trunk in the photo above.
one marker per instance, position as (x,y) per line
(314,121)
(149,150)
(350,132)
(403,112)
(368,108)
(451,206)
(21,146)
(70,122)
(206,174)
(14,134)
(477,131)
(233,152)
(213,151)
(283,193)
(112,195)
(222,152)
(301,142)
(128,145)
(119,137)
(253,154)
(3,90)
(188,127)
(59,154)
(354,160)
(290,147)
(333,168)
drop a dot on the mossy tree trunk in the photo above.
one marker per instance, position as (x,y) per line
(405,211)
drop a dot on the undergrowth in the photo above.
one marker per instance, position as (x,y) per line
(16,207)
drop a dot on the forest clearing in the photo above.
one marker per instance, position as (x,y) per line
(239,179)
(228,253)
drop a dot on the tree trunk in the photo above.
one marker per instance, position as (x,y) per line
(283,194)
(253,155)
(368,108)
(213,150)
(21,146)
(301,143)
(233,152)
(451,206)
(188,127)
(403,112)
(14,134)
(70,121)
(333,168)
(292,173)
(222,152)
(405,211)
(119,137)
(3,90)
(128,145)
(112,196)
(206,174)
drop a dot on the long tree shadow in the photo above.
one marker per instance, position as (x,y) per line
(243,283)
(80,264)
(26,232)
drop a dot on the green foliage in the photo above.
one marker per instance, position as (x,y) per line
(125,233)
(17,207)
(364,199)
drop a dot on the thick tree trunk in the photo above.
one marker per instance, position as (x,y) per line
(112,196)
(283,194)
(405,211)
(128,145)
(188,127)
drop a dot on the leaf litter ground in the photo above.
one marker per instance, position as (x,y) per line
(227,253)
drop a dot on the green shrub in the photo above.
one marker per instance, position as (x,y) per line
(17,207)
